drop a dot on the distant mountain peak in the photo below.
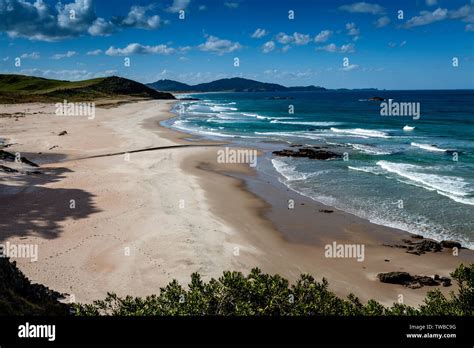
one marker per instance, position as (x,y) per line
(232,84)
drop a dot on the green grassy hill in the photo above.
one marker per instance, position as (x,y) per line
(23,89)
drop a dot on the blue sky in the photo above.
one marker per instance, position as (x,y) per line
(85,39)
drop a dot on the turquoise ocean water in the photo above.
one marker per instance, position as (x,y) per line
(416,174)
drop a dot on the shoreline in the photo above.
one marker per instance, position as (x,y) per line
(268,199)
(139,207)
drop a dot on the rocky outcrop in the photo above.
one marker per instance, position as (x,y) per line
(425,245)
(450,244)
(413,282)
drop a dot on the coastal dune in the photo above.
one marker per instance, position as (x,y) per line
(130,223)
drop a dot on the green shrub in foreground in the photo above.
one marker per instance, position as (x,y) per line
(263,294)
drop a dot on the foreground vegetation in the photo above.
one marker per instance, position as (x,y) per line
(19,297)
(231,294)
(263,294)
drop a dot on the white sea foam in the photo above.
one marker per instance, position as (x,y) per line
(428,147)
(304,135)
(222,108)
(408,128)
(361,132)
(371,170)
(371,150)
(317,124)
(452,187)
(289,171)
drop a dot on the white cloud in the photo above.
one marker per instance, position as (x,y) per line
(301,39)
(382,22)
(178,5)
(202,7)
(296,38)
(287,75)
(427,17)
(68,54)
(350,67)
(268,46)
(39,21)
(329,48)
(469,27)
(94,53)
(363,7)
(138,18)
(68,74)
(259,33)
(231,4)
(32,55)
(323,36)
(348,48)
(284,38)
(431,2)
(392,44)
(101,27)
(352,30)
(464,13)
(136,48)
(219,46)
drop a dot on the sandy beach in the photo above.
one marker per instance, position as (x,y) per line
(130,223)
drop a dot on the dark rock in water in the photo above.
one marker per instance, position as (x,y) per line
(296,145)
(450,244)
(413,282)
(425,245)
(63,133)
(189,99)
(308,153)
(326,211)
(279,98)
(376,99)
(417,236)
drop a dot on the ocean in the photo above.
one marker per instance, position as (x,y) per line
(403,169)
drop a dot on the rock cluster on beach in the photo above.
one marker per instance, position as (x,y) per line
(425,245)
(308,152)
(413,282)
